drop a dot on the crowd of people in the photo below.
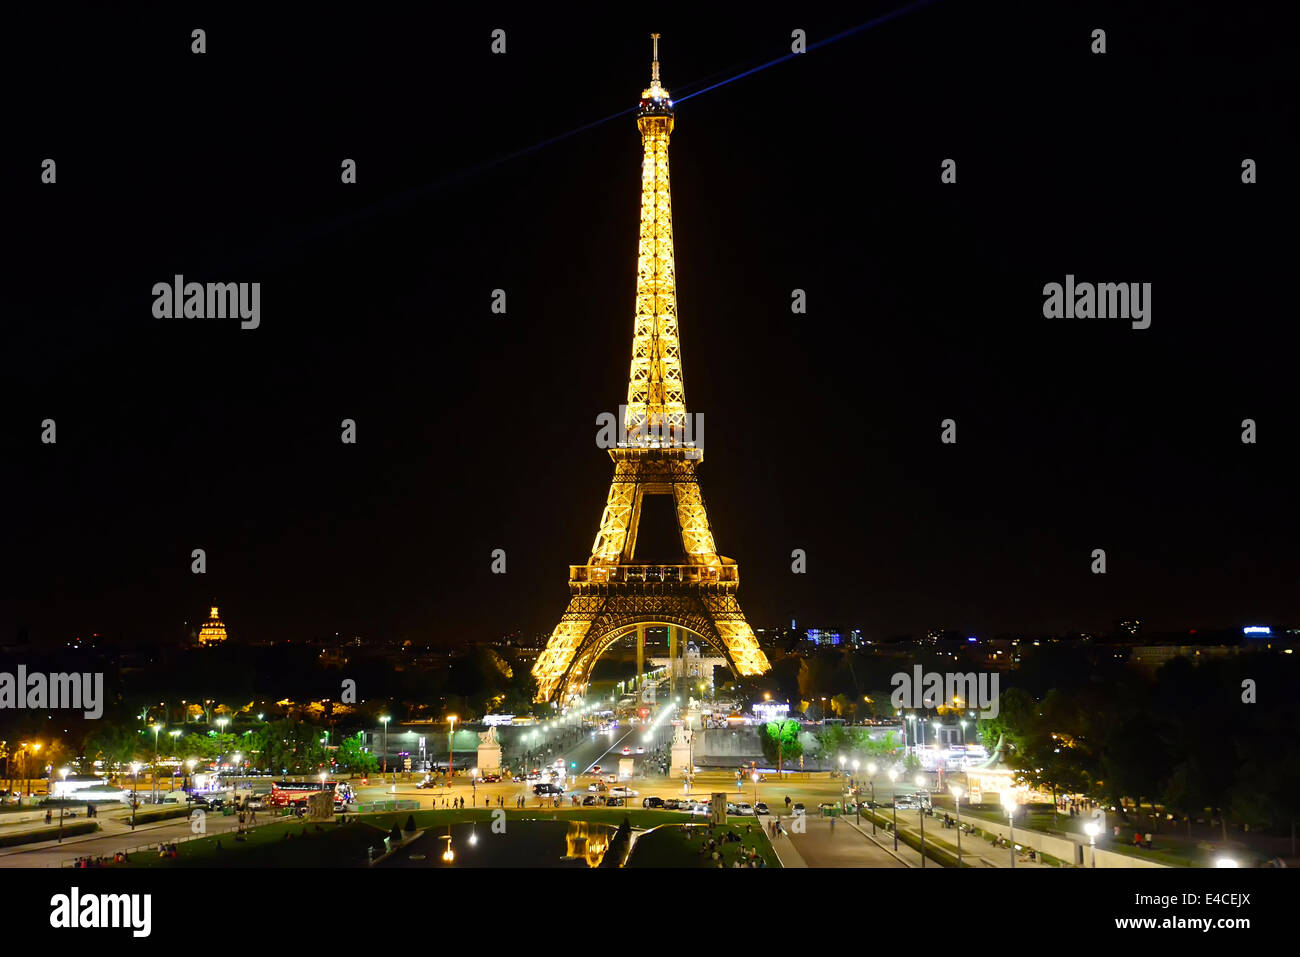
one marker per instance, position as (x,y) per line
(101,860)
(715,848)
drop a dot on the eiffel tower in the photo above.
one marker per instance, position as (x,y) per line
(657,453)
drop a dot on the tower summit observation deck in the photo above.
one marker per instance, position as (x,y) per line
(611,595)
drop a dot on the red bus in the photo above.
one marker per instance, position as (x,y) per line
(286,793)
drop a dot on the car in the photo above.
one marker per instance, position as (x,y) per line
(540,789)
(640,750)
(614,802)
(598,787)
(491,778)
(699,809)
(761,809)
(589,801)
(627,751)
(623,792)
(611,778)
(655,802)
(254,804)
(731,808)
(672,804)
(426,783)
(744,808)
(798,809)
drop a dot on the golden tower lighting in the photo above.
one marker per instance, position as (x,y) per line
(213,631)
(611,595)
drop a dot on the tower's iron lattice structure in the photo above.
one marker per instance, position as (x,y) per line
(611,595)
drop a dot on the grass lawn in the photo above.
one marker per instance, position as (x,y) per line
(639,817)
(334,845)
(343,845)
(678,845)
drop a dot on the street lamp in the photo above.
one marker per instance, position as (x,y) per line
(920,814)
(871,774)
(956,794)
(174,735)
(135,786)
(893,799)
(451,757)
(384,719)
(1092,828)
(62,798)
(1009,803)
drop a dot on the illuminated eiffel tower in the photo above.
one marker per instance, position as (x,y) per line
(656,454)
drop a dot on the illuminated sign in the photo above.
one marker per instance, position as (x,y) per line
(1257,630)
(770,710)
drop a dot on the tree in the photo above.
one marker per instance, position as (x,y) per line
(780,741)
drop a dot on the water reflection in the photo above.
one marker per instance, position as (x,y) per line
(587,842)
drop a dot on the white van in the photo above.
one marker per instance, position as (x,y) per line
(175,797)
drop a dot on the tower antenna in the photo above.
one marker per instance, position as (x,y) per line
(654,67)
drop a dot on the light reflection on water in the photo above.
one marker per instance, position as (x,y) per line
(587,841)
(527,843)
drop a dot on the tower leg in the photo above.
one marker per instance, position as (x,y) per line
(640,655)
(672,665)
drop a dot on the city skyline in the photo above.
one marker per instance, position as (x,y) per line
(824,428)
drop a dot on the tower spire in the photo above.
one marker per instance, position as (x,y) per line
(656,393)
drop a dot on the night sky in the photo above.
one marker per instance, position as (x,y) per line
(477,431)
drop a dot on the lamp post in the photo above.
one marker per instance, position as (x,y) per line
(893,799)
(920,815)
(857,805)
(384,719)
(1009,804)
(451,752)
(871,774)
(1091,828)
(956,794)
(754,776)
(135,786)
(62,798)
(174,736)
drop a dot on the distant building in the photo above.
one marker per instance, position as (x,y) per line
(820,636)
(213,631)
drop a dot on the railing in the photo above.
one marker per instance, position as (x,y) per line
(653,574)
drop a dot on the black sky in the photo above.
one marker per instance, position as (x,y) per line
(477,431)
